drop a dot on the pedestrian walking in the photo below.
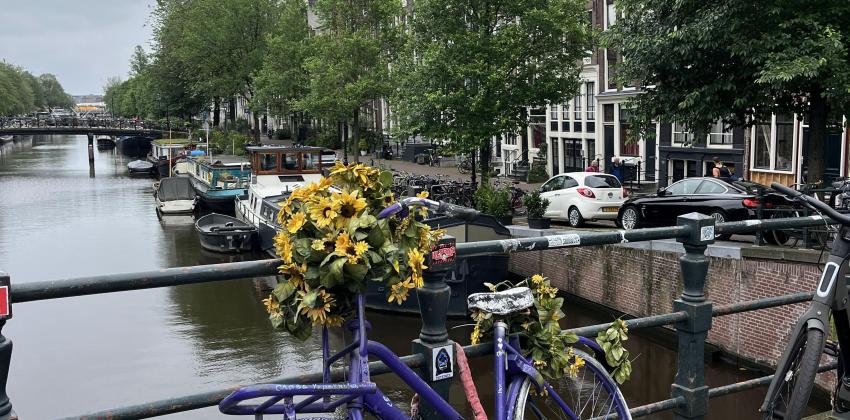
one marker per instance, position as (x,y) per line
(720,170)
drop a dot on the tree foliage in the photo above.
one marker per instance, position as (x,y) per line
(473,67)
(22,93)
(699,61)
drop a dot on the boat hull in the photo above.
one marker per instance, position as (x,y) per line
(225,234)
(175,207)
(219,201)
(105,144)
(135,146)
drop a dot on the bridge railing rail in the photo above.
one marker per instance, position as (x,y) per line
(691,317)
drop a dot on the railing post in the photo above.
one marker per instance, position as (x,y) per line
(433,342)
(690,376)
(6,411)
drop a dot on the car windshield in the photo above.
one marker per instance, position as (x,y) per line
(601,181)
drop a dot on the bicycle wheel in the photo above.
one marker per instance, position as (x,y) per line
(791,395)
(590,394)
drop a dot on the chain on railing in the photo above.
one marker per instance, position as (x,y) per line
(691,318)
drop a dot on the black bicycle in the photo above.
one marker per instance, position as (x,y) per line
(791,387)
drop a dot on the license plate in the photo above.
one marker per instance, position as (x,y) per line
(610,209)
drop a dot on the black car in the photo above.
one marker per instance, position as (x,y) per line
(725,201)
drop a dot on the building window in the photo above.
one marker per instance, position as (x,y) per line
(553,112)
(565,126)
(577,106)
(628,141)
(611,68)
(591,101)
(554,142)
(577,127)
(565,111)
(610,13)
(608,110)
(591,127)
(719,134)
(681,134)
(510,140)
(784,142)
(761,155)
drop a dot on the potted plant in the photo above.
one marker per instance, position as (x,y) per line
(536,207)
(495,202)
(364,147)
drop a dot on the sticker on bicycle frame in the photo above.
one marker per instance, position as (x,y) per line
(563,240)
(706,233)
(442,363)
(827,279)
(5,307)
(443,254)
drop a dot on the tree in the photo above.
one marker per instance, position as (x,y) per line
(54,94)
(350,57)
(699,61)
(283,79)
(479,65)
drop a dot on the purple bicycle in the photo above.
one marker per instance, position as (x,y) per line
(520,390)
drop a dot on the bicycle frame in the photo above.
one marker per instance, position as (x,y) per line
(830,297)
(359,393)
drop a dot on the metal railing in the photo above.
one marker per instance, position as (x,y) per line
(691,317)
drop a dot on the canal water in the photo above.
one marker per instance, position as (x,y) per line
(78,355)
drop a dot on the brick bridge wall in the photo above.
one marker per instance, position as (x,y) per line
(643,282)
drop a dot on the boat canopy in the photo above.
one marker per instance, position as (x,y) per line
(175,188)
(277,160)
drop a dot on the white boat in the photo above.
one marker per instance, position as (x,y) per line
(276,172)
(6,139)
(175,195)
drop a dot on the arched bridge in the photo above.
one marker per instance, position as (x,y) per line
(109,131)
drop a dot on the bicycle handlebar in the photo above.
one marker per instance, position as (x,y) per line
(460,212)
(812,202)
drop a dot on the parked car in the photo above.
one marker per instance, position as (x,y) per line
(580,196)
(725,201)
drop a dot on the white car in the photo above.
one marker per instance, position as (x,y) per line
(579,196)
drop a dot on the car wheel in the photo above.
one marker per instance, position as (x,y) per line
(574,217)
(720,217)
(629,218)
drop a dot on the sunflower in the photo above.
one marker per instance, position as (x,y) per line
(272,305)
(296,222)
(283,246)
(322,302)
(399,291)
(343,245)
(349,204)
(360,248)
(423,211)
(416,262)
(577,364)
(475,337)
(323,211)
(318,244)
(537,279)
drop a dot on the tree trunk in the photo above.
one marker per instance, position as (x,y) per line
(232,110)
(216,111)
(472,171)
(485,152)
(256,127)
(341,128)
(818,114)
(356,135)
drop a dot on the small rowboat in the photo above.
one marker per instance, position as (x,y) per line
(221,233)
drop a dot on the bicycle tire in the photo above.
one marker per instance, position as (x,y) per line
(531,406)
(790,397)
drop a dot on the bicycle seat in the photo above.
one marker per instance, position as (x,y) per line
(502,303)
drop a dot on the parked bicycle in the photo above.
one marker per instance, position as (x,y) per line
(789,391)
(518,387)
(464,164)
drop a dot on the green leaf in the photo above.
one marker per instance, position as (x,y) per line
(356,272)
(283,291)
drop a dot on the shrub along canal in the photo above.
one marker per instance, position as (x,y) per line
(78,355)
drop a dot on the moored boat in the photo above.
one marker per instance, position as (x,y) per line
(276,171)
(134,146)
(174,195)
(6,139)
(222,233)
(218,182)
(470,273)
(105,142)
(166,152)
(140,167)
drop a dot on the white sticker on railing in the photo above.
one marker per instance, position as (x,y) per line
(706,233)
(570,239)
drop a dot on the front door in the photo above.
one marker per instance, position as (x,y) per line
(831,153)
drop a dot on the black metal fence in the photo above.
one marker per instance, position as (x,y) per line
(691,317)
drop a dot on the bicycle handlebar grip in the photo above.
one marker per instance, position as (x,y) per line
(460,212)
(785,190)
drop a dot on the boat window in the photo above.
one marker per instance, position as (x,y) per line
(268,162)
(290,162)
(310,161)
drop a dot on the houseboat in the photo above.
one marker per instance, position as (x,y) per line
(276,171)
(134,146)
(105,142)
(166,152)
(218,180)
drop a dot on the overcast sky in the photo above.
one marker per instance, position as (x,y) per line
(82,42)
